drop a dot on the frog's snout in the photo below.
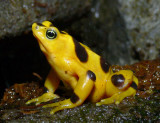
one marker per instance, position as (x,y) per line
(35,26)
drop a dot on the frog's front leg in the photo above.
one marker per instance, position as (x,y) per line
(81,92)
(51,83)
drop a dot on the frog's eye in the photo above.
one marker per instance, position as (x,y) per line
(51,34)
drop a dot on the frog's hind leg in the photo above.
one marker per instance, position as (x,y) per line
(51,84)
(117,98)
(120,85)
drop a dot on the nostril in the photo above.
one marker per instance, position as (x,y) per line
(37,27)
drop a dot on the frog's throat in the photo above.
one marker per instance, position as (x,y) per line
(40,43)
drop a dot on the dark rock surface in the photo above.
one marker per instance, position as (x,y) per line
(17,16)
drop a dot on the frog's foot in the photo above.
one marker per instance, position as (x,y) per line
(117,98)
(44,98)
(60,105)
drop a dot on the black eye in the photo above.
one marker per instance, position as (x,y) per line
(51,34)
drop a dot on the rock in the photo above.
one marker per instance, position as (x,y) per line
(104,31)
(122,32)
(17,16)
(142,22)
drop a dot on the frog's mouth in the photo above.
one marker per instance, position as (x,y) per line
(35,30)
(42,46)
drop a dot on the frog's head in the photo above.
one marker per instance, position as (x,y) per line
(49,37)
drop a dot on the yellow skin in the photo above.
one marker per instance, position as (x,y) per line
(80,69)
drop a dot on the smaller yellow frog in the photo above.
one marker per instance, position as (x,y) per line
(80,69)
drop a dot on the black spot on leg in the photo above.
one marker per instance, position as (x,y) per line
(118,80)
(134,85)
(104,65)
(74,98)
(91,75)
(80,51)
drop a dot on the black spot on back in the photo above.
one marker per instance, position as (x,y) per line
(134,85)
(80,51)
(91,75)
(104,65)
(51,24)
(118,80)
(74,98)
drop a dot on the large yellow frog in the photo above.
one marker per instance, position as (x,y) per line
(81,69)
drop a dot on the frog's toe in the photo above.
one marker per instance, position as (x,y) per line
(105,101)
(56,109)
(60,105)
(117,102)
(98,104)
(51,105)
(31,101)
(44,98)
(37,103)
(35,100)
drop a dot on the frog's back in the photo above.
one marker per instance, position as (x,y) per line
(96,64)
